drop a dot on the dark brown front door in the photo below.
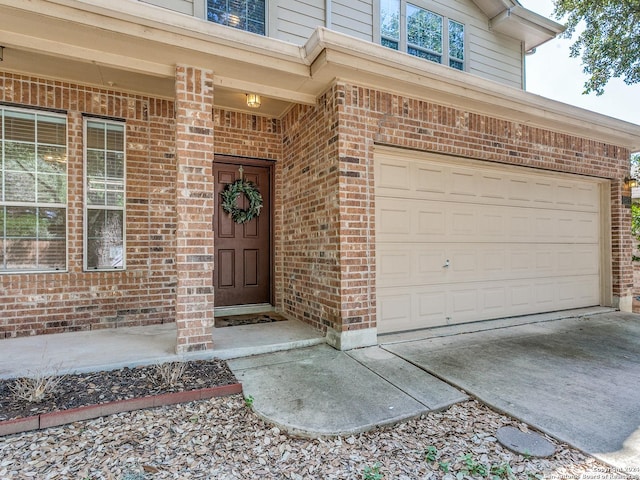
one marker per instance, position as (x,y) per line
(242,251)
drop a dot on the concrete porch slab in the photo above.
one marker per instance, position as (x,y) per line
(109,349)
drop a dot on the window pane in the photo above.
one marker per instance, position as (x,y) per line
(456,40)
(105,245)
(242,14)
(22,254)
(95,164)
(105,196)
(424,54)
(21,222)
(33,170)
(52,159)
(52,130)
(115,196)
(19,157)
(52,223)
(96,194)
(115,137)
(390,19)
(20,187)
(389,44)
(35,239)
(115,166)
(52,188)
(52,254)
(19,126)
(456,64)
(95,135)
(424,29)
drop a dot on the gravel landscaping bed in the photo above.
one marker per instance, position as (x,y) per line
(79,390)
(221,438)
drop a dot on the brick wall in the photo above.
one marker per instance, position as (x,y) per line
(368,117)
(324,211)
(144,293)
(308,249)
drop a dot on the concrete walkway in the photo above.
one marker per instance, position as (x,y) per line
(320,391)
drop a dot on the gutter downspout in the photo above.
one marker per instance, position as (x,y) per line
(327,13)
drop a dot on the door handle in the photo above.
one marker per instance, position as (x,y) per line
(446,264)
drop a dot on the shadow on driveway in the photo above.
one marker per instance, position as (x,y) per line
(576,379)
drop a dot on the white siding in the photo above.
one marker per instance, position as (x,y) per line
(182,6)
(295,20)
(353,17)
(489,55)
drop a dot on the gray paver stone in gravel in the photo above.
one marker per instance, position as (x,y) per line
(525,443)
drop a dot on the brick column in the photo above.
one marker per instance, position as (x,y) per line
(194,208)
(621,247)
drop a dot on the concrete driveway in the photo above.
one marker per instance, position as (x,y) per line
(576,379)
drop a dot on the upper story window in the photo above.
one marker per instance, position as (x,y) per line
(246,15)
(104,205)
(33,191)
(421,32)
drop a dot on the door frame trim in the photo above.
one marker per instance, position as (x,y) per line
(256,162)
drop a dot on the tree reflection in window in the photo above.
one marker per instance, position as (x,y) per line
(33,191)
(246,15)
(104,195)
(422,33)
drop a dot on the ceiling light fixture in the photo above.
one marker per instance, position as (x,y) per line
(253,100)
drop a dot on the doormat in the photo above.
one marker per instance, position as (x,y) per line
(249,319)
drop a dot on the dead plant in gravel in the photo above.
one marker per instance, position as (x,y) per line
(169,373)
(34,389)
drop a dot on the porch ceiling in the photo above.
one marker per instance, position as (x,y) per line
(132,46)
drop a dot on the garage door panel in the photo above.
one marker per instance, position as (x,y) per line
(428,306)
(438,181)
(491,188)
(463,184)
(431,223)
(473,242)
(419,221)
(394,265)
(394,219)
(430,180)
(394,311)
(419,264)
(394,176)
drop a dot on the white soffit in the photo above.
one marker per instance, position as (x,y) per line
(529,27)
(512,19)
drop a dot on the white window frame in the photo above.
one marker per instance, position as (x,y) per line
(201,10)
(86,206)
(433,8)
(5,203)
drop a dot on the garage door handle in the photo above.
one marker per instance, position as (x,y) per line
(446,264)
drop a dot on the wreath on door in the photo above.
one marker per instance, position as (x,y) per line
(230,201)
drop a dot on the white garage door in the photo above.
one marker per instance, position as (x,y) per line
(459,241)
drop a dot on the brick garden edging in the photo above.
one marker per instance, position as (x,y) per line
(63,417)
